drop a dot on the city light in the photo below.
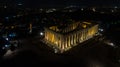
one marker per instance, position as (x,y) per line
(14,16)
(112,10)
(101,30)
(115,7)
(82,9)
(19,4)
(30,31)
(8,53)
(7,18)
(56,50)
(41,33)
(111,44)
(12,35)
(7,39)
(6,46)
(93,9)
(3,48)
(5,6)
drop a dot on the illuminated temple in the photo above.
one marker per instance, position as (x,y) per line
(64,37)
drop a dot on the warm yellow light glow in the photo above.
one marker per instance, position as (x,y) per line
(87,23)
(84,26)
(52,36)
(53,28)
(64,42)
(12,27)
(68,40)
(56,42)
(63,47)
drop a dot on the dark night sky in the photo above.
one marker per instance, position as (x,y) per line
(62,3)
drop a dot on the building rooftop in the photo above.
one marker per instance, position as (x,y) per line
(70,27)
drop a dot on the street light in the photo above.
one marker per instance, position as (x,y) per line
(7,39)
(41,33)
(101,30)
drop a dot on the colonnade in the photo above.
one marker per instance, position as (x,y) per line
(65,42)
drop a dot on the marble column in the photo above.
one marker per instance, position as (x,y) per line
(61,43)
(69,41)
(74,38)
(79,37)
(66,42)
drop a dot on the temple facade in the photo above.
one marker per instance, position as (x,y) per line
(62,38)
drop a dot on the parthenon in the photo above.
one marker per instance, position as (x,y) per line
(64,37)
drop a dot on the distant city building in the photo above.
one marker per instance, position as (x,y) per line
(63,37)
